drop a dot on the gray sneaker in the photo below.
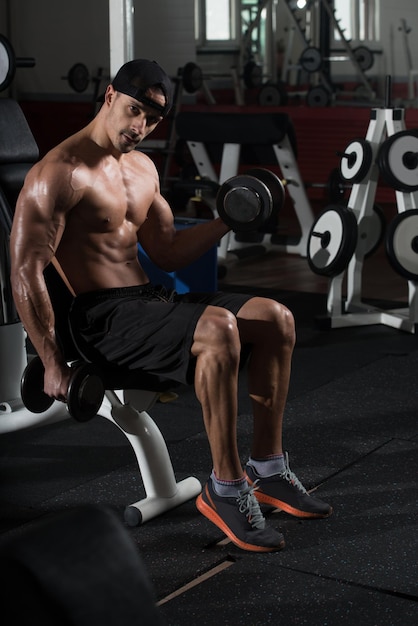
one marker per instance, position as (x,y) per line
(285,491)
(240,519)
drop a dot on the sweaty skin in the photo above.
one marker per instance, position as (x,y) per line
(88,203)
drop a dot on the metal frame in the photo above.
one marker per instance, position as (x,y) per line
(352,311)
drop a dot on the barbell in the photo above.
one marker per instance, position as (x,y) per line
(85,391)
(192,76)
(311,59)
(9,62)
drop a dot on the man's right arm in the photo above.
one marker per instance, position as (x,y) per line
(36,232)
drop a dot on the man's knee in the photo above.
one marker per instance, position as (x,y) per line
(286,323)
(217,331)
(266,318)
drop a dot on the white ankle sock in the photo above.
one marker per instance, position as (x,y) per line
(273,464)
(228,488)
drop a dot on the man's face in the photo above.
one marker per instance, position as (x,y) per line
(131,120)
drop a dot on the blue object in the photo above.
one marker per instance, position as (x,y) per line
(202,275)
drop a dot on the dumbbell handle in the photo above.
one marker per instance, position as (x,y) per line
(85,391)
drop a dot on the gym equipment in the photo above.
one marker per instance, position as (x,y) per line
(252,75)
(387,147)
(129,395)
(249,201)
(220,137)
(311,59)
(397,159)
(78,77)
(371,230)
(193,78)
(85,391)
(332,240)
(402,244)
(335,235)
(412,72)
(9,62)
(361,57)
(335,186)
(246,202)
(318,96)
(190,79)
(356,160)
(273,95)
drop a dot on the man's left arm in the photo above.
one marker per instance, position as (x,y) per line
(172,249)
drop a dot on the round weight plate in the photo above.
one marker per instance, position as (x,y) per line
(7,63)
(32,387)
(192,77)
(273,184)
(244,203)
(253,75)
(78,77)
(318,96)
(85,393)
(371,230)
(364,57)
(310,60)
(332,241)
(356,161)
(402,244)
(276,189)
(398,160)
(271,95)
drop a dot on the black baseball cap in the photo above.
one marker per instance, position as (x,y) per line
(135,77)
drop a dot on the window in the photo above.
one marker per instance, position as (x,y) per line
(358,18)
(219,26)
(216,23)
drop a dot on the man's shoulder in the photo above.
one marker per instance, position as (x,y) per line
(63,157)
(142,161)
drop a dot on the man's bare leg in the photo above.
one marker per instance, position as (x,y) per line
(217,348)
(269,327)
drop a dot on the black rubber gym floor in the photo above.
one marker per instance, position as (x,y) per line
(351,430)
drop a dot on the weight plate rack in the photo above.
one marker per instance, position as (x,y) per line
(389,150)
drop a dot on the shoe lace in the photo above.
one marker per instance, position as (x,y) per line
(248,504)
(291,477)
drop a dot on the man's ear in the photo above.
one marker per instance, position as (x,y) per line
(109,94)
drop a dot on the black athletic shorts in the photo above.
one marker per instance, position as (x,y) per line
(145,327)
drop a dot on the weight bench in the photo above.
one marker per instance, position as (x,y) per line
(229,139)
(128,396)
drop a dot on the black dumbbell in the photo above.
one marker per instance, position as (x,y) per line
(85,391)
(247,201)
